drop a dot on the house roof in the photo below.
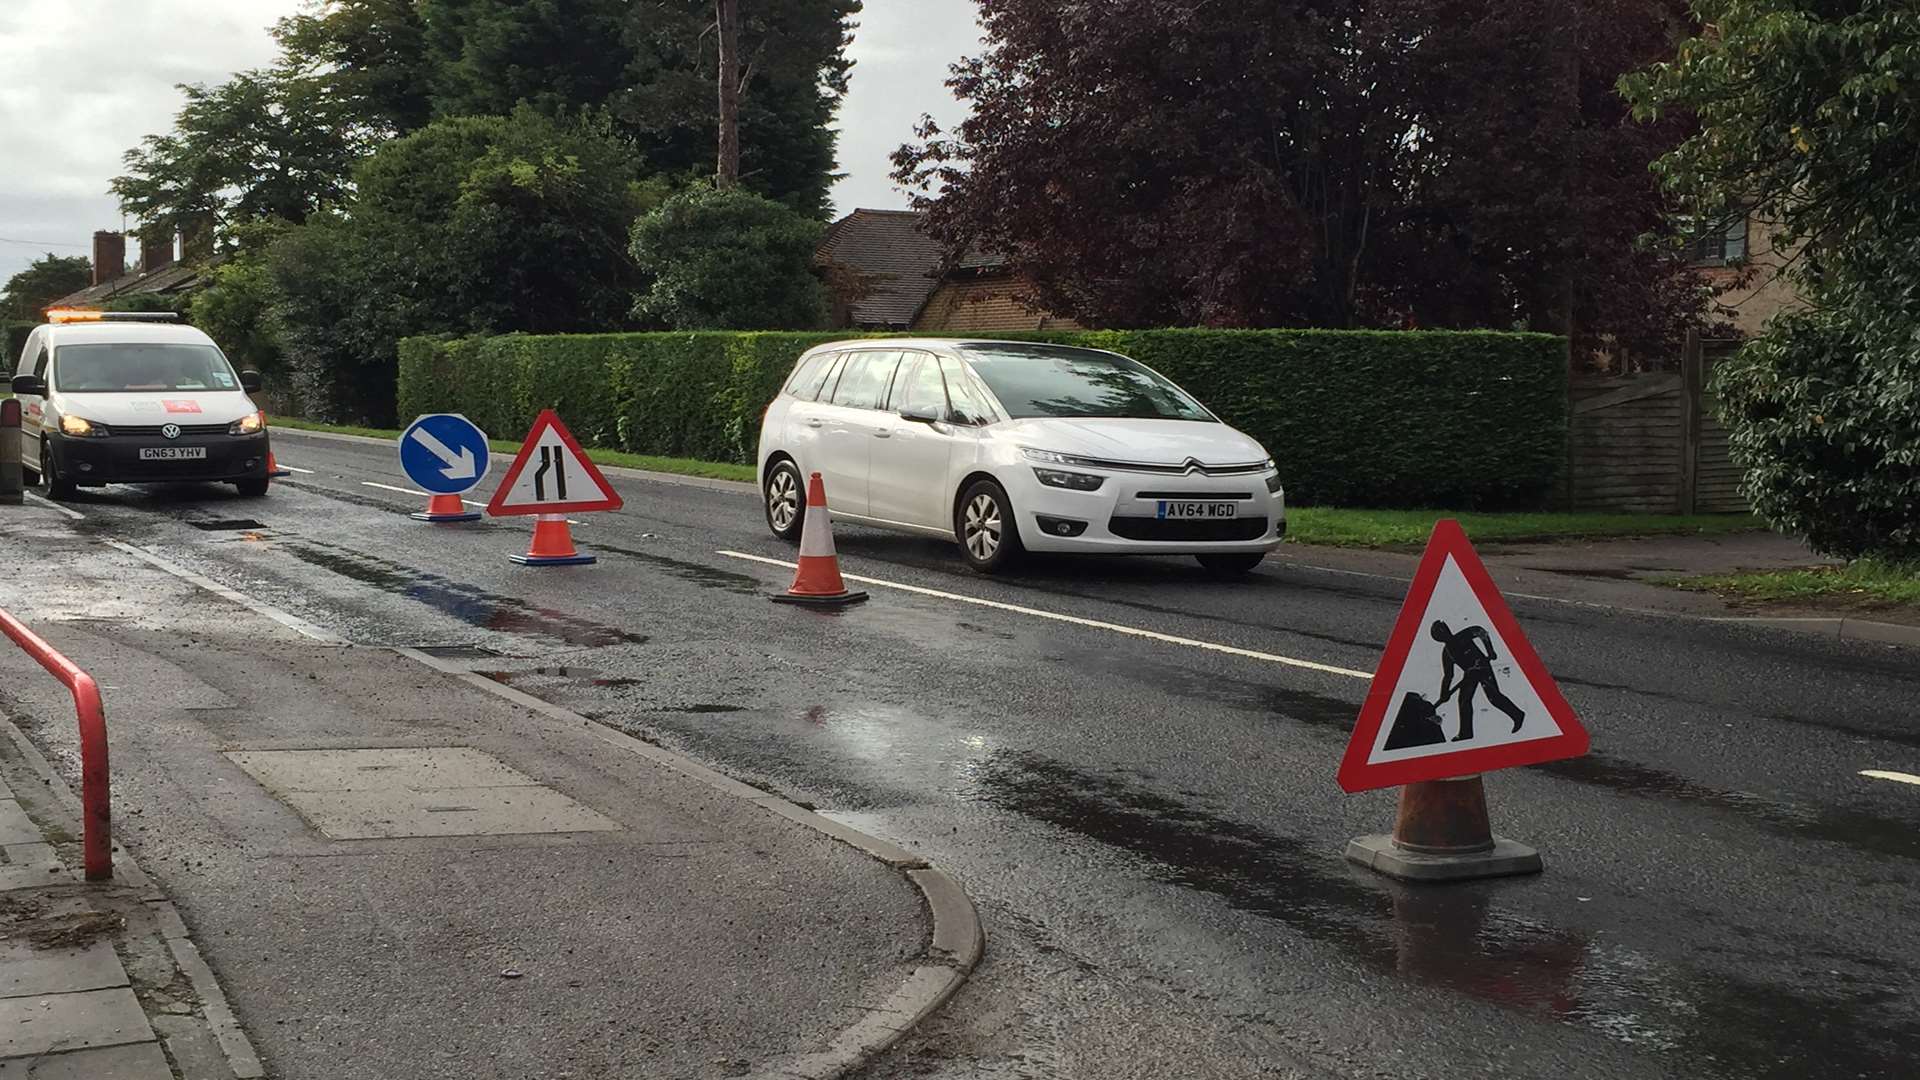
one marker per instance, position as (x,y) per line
(176,277)
(898,263)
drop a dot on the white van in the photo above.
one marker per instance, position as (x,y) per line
(135,398)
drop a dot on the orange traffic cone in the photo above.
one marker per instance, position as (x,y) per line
(273,467)
(445,508)
(818,583)
(552,544)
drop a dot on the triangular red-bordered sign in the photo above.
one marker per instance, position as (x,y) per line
(560,473)
(1455,619)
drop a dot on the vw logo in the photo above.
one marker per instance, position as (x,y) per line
(170,431)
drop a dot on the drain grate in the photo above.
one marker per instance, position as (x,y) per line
(227,524)
(458,652)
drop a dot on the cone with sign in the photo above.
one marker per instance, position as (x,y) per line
(817,583)
(443,509)
(537,483)
(1467,695)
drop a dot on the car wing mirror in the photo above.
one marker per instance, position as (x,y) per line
(921,415)
(250,381)
(29,386)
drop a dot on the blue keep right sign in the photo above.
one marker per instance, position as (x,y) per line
(444,453)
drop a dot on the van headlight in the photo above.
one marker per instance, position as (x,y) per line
(248,424)
(82,429)
(1072,481)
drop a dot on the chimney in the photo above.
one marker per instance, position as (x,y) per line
(109,256)
(156,251)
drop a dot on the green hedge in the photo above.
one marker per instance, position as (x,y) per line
(1357,418)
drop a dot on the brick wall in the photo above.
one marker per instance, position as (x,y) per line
(983,304)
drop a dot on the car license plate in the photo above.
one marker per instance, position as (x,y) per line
(1181,511)
(173,453)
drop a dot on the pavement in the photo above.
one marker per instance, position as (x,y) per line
(1129,766)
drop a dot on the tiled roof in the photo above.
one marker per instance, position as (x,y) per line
(897,262)
(168,279)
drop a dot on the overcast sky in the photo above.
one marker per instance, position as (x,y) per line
(83,80)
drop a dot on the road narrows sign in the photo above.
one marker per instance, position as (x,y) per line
(444,453)
(551,475)
(1459,690)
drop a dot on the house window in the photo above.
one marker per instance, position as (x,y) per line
(1720,244)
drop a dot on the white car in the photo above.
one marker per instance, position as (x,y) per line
(1006,447)
(126,398)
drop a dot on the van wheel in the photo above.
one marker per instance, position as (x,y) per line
(989,537)
(58,487)
(1230,566)
(786,497)
(251,489)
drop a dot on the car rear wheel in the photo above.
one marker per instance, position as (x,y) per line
(58,486)
(786,501)
(251,489)
(989,538)
(1228,566)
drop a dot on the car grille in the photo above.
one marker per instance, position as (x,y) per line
(153,430)
(1141,528)
(1194,496)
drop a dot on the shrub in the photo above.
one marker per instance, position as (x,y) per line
(1471,420)
(727,260)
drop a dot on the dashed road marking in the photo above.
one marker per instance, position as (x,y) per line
(294,468)
(1888,774)
(1095,624)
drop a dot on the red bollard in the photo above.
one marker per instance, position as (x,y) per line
(95,800)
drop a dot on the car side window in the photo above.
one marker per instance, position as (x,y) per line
(39,362)
(806,380)
(824,392)
(967,406)
(921,390)
(864,385)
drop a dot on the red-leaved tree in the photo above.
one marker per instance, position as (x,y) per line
(1433,163)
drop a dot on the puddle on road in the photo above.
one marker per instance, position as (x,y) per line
(1854,828)
(1457,939)
(468,603)
(705,576)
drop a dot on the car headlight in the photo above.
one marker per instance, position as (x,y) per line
(82,429)
(248,424)
(1072,481)
(1051,457)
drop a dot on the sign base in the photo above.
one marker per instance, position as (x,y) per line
(837,600)
(575,559)
(1505,859)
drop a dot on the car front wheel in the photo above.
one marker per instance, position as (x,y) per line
(989,538)
(251,489)
(58,486)
(786,499)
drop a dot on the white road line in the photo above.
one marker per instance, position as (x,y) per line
(293,622)
(422,494)
(294,468)
(1896,777)
(44,501)
(1096,624)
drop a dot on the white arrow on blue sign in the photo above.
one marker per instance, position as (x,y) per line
(444,453)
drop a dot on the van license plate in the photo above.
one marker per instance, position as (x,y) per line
(1181,511)
(173,453)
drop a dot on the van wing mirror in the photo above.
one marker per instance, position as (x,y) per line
(29,386)
(250,381)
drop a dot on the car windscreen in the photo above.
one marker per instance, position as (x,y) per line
(1041,382)
(119,367)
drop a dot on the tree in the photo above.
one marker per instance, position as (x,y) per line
(486,56)
(372,53)
(728,260)
(469,225)
(727,175)
(1440,163)
(268,143)
(236,306)
(46,279)
(1808,111)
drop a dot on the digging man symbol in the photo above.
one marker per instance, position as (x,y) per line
(1471,652)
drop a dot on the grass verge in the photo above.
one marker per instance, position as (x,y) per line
(1338,527)
(1865,583)
(712,470)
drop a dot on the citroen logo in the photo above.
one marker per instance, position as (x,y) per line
(170,431)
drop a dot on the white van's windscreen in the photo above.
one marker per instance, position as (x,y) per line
(135,367)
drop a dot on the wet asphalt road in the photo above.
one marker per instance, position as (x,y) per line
(1151,830)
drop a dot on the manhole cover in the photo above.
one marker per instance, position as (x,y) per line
(458,652)
(418,791)
(227,524)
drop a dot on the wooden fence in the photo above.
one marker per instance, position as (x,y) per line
(1649,443)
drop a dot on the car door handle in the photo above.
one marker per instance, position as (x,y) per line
(816,423)
(882,433)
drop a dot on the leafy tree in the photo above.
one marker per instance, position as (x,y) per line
(728,260)
(469,225)
(271,142)
(236,306)
(486,56)
(372,53)
(1809,110)
(45,280)
(1439,163)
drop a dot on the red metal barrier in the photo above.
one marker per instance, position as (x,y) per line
(98,816)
